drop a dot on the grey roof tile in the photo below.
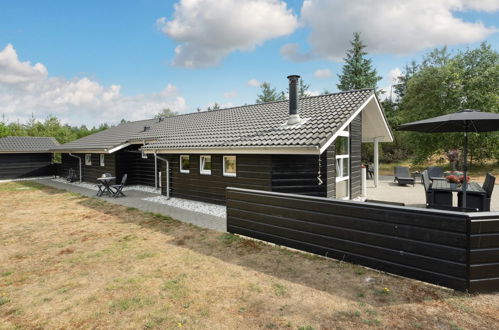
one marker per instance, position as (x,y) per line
(245,126)
(28,144)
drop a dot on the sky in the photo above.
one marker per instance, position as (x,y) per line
(91,62)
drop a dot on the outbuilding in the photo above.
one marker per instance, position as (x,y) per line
(26,156)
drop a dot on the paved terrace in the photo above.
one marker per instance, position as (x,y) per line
(135,198)
(411,196)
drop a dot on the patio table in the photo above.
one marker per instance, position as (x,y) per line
(106,182)
(445,186)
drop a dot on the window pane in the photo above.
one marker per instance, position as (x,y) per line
(342,189)
(339,171)
(341,145)
(184,163)
(206,163)
(346,166)
(230,165)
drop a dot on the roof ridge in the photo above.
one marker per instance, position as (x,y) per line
(271,102)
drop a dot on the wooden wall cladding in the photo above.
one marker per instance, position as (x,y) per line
(456,250)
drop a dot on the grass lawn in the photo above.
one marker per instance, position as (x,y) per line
(68,261)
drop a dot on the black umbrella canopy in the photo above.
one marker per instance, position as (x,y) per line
(461,121)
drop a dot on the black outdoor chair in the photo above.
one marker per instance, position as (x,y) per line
(402,175)
(476,200)
(435,173)
(435,198)
(100,186)
(118,188)
(369,170)
(71,175)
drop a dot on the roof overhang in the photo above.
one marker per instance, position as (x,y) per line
(92,151)
(26,152)
(281,150)
(374,123)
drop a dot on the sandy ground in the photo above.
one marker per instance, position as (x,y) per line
(68,261)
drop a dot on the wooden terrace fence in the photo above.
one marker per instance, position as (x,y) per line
(452,249)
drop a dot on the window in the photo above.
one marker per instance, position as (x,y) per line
(143,154)
(101,158)
(88,159)
(230,165)
(342,144)
(184,164)
(205,165)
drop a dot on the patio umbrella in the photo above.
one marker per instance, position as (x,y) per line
(461,121)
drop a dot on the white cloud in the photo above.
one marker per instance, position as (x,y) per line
(254,83)
(27,89)
(292,52)
(209,30)
(390,26)
(391,79)
(322,73)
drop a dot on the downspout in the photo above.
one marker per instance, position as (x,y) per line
(167,174)
(79,159)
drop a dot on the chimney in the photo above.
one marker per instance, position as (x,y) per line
(294,116)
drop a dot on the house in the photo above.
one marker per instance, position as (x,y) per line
(308,146)
(26,156)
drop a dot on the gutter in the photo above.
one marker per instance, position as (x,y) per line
(156,157)
(79,159)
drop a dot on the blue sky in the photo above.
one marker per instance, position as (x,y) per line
(99,61)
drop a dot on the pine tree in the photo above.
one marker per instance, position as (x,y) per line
(358,71)
(268,94)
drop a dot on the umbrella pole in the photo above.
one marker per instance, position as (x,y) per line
(465,163)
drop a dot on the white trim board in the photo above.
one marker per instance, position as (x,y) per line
(241,150)
(345,124)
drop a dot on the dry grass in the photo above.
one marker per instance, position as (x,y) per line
(68,261)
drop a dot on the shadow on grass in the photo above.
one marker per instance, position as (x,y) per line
(334,277)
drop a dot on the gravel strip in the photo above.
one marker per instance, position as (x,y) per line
(92,186)
(212,209)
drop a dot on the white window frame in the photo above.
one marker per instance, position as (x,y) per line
(202,159)
(88,159)
(340,163)
(180,165)
(102,160)
(143,154)
(228,173)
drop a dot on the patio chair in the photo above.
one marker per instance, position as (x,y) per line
(119,187)
(402,176)
(435,198)
(427,188)
(101,186)
(369,170)
(472,198)
(435,173)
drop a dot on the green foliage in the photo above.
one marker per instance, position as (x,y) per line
(167,112)
(269,94)
(215,106)
(358,71)
(444,84)
(50,127)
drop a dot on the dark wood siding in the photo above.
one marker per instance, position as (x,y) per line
(19,165)
(331,171)
(90,173)
(484,252)
(355,157)
(456,250)
(139,170)
(253,172)
(298,174)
